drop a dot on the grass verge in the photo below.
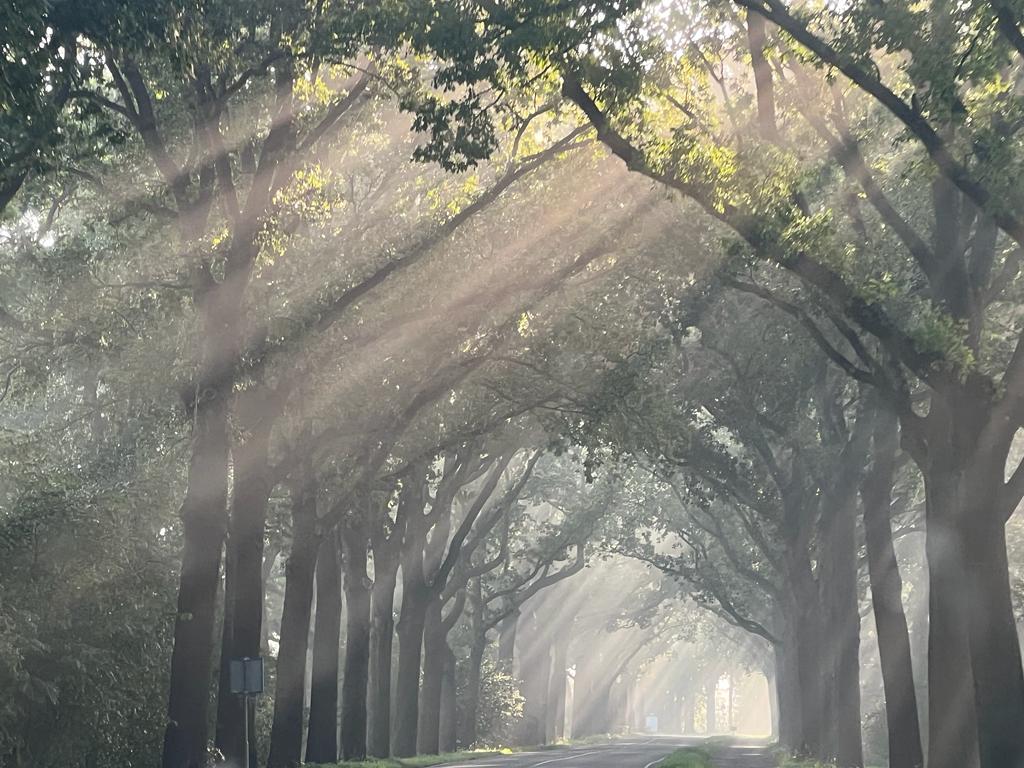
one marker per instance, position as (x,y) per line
(420,761)
(690,757)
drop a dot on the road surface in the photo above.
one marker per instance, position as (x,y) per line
(639,752)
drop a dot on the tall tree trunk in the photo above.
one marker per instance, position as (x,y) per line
(995,649)
(556,688)
(773,700)
(952,720)
(536,675)
(472,697)
(711,703)
(434,647)
(905,749)
(410,651)
(357,641)
(226,700)
(269,561)
(507,641)
(788,694)
(449,704)
(804,642)
(204,522)
(243,612)
(382,633)
(322,736)
(841,742)
(289,696)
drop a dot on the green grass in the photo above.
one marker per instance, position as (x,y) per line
(690,757)
(419,761)
(793,762)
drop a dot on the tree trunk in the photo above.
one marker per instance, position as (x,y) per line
(449,704)
(382,632)
(952,722)
(711,708)
(686,715)
(434,647)
(773,700)
(471,715)
(556,688)
(788,694)
(204,521)
(905,749)
(410,648)
(805,641)
(357,642)
(226,700)
(536,675)
(507,642)
(269,561)
(322,737)
(995,649)
(243,611)
(841,738)
(286,730)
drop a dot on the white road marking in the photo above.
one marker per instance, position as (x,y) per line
(560,759)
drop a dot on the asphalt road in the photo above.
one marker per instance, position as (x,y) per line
(640,752)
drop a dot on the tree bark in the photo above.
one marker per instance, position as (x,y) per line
(471,715)
(788,694)
(901,714)
(226,700)
(449,704)
(410,646)
(711,700)
(804,641)
(971,613)
(322,736)
(382,632)
(952,721)
(269,561)
(387,547)
(243,610)
(536,675)
(773,700)
(434,647)
(204,522)
(507,642)
(286,730)
(995,650)
(355,541)
(556,688)
(841,740)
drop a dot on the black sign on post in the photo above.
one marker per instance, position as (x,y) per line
(247,676)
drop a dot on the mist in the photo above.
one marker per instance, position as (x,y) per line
(620,383)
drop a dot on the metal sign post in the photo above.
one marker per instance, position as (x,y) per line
(246,681)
